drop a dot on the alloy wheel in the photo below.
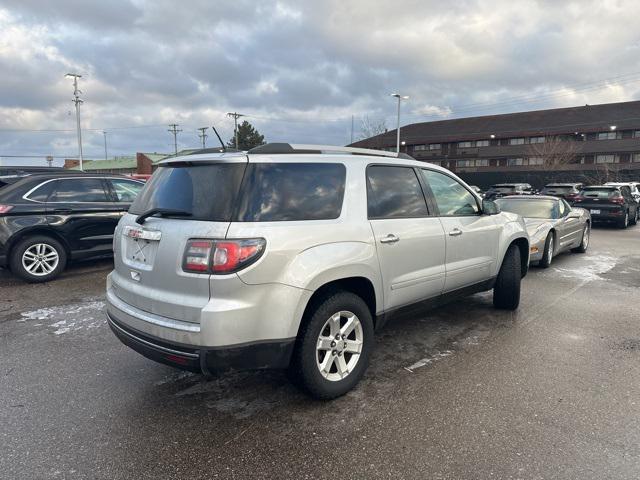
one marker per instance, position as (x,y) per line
(585,236)
(550,251)
(339,346)
(40,259)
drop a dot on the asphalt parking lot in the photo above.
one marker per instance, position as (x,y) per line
(464,391)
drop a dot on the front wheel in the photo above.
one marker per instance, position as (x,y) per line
(38,259)
(506,291)
(334,345)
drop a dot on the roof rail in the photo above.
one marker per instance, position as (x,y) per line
(279,148)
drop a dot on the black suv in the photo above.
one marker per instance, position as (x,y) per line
(49,219)
(608,203)
(568,191)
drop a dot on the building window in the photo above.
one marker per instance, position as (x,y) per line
(418,148)
(607,135)
(516,141)
(434,146)
(512,162)
(465,163)
(536,140)
(482,162)
(607,159)
(464,144)
(635,158)
(636,134)
(536,161)
(435,162)
(482,143)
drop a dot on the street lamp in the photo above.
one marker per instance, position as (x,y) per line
(612,127)
(77,100)
(400,98)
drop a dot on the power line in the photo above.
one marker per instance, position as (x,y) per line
(203,135)
(235,116)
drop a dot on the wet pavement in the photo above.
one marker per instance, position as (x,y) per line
(464,391)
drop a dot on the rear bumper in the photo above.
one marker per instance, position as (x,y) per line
(251,356)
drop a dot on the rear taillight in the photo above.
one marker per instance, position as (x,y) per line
(577,199)
(5,208)
(619,199)
(221,256)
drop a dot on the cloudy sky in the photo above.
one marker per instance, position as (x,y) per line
(299,70)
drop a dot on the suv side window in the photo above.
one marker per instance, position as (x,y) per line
(451,197)
(87,190)
(126,191)
(273,192)
(394,192)
(42,193)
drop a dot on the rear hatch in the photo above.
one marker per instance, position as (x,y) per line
(192,199)
(601,200)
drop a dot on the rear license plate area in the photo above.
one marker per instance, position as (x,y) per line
(595,212)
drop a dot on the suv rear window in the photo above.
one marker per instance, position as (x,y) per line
(274,192)
(207,191)
(600,192)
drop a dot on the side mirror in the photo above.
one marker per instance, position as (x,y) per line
(573,214)
(490,207)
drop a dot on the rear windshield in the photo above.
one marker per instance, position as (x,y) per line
(600,192)
(206,191)
(291,191)
(530,208)
(559,189)
(503,188)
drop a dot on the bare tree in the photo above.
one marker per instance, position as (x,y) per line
(554,151)
(370,128)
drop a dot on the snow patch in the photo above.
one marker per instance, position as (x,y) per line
(428,360)
(588,269)
(69,318)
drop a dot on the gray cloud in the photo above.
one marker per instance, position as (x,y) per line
(298,69)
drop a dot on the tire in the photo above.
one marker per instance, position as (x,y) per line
(624,222)
(47,256)
(506,291)
(584,242)
(319,323)
(547,256)
(634,220)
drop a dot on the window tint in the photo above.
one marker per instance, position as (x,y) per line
(41,194)
(79,190)
(451,197)
(274,192)
(126,190)
(394,192)
(207,191)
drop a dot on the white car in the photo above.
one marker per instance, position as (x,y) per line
(290,256)
(634,186)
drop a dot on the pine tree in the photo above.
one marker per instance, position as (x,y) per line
(248,137)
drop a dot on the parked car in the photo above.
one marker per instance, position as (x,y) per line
(503,189)
(553,225)
(47,220)
(633,186)
(477,190)
(568,191)
(608,203)
(290,256)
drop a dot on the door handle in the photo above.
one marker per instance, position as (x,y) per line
(391,238)
(455,232)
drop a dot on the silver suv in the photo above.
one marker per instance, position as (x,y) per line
(292,255)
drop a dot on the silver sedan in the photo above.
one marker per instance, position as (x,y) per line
(553,225)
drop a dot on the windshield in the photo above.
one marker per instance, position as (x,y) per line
(503,188)
(530,208)
(601,192)
(207,192)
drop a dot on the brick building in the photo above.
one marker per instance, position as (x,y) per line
(591,143)
(142,163)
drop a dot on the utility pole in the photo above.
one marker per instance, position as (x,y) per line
(399,97)
(105,144)
(351,128)
(235,116)
(203,135)
(175,130)
(77,101)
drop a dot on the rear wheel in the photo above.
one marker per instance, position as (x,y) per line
(634,218)
(506,291)
(624,222)
(38,259)
(334,345)
(547,255)
(584,244)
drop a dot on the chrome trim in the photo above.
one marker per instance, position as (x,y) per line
(148,317)
(79,177)
(142,234)
(150,344)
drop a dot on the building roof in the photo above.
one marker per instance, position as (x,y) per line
(587,118)
(119,163)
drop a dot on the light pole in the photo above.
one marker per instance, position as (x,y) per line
(400,98)
(105,144)
(77,101)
